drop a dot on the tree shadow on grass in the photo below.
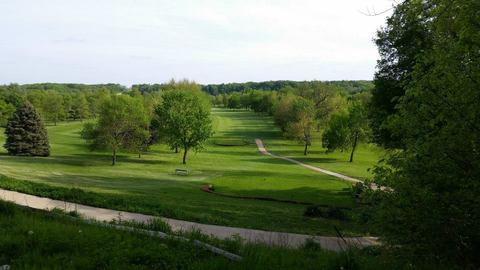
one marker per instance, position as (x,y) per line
(80,160)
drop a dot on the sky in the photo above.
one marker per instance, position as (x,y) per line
(143,41)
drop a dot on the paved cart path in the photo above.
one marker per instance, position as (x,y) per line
(255,236)
(264,151)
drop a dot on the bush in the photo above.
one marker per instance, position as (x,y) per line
(331,212)
(313,211)
(335,213)
(357,189)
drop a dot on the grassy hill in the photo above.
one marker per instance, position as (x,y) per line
(149,184)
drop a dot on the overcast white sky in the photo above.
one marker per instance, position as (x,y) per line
(141,41)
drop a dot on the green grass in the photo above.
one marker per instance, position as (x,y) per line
(366,155)
(33,239)
(149,185)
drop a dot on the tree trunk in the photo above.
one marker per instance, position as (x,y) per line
(114,157)
(139,155)
(185,155)
(354,146)
(176,149)
(306,149)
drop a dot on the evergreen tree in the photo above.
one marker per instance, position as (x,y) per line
(26,134)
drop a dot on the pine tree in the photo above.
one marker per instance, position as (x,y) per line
(26,134)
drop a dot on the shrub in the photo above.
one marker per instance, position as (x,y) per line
(313,211)
(357,189)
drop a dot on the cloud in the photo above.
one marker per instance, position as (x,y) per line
(209,41)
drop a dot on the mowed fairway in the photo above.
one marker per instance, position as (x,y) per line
(149,185)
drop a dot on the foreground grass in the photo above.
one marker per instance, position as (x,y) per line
(33,239)
(149,185)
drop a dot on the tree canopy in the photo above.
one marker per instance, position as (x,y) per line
(122,125)
(184,118)
(433,207)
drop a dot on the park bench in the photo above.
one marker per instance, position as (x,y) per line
(181,172)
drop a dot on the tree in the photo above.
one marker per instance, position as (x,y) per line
(302,122)
(433,207)
(282,108)
(6,111)
(122,124)
(79,108)
(53,106)
(399,42)
(26,134)
(184,117)
(346,130)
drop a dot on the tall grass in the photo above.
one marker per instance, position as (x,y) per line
(32,239)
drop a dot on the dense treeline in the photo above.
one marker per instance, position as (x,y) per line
(56,102)
(346,86)
(307,108)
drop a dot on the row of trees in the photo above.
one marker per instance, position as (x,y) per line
(344,86)
(180,118)
(55,102)
(309,108)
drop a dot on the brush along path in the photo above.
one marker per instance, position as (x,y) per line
(254,236)
(263,150)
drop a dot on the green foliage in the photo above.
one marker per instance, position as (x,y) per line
(122,125)
(399,42)
(184,118)
(6,111)
(343,86)
(433,208)
(302,122)
(26,135)
(53,107)
(346,130)
(59,102)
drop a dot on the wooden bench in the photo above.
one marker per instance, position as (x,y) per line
(181,172)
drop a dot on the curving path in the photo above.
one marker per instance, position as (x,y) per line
(293,240)
(264,151)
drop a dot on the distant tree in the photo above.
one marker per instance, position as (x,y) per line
(282,110)
(95,101)
(6,111)
(26,134)
(346,130)
(121,125)
(234,101)
(184,117)
(53,106)
(79,108)
(302,122)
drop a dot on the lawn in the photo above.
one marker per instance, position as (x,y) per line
(149,185)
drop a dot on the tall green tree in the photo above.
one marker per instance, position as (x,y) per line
(26,134)
(433,207)
(79,107)
(53,106)
(121,125)
(346,130)
(184,119)
(302,121)
(399,42)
